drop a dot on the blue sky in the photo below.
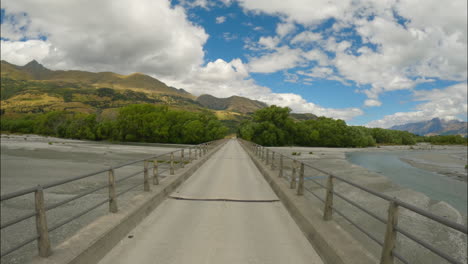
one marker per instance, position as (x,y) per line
(370,62)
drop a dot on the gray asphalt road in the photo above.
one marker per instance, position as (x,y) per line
(187,231)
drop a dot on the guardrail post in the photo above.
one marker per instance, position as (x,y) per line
(182,159)
(328,210)
(262,153)
(273,160)
(206,148)
(300,186)
(171,170)
(390,234)
(155,173)
(199,151)
(146,185)
(112,194)
(43,242)
(190,155)
(267,156)
(292,184)
(281,167)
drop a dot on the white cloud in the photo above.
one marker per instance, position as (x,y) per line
(372,102)
(300,105)
(22,52)
(306,37)
(220,19)
(228,36)
(430,45)
(283,29)
(224,79)
(282,58)
(300,11)
(269,42)
(448,103)
(122,36)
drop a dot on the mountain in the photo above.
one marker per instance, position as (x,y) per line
(435,126)
(233,103)
(33,88)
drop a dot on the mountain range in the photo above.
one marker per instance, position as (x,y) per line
(435,126)
(33,88)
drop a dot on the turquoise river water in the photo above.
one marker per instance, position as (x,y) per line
(435,186)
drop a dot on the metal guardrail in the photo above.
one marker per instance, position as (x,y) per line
(388,252)
(42,236)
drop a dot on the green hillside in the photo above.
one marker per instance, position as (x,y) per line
(33,89)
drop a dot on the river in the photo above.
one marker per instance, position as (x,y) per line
(435,186)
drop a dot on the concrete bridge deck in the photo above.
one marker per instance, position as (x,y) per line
(249,226)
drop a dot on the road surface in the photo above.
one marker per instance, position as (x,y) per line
(199,230)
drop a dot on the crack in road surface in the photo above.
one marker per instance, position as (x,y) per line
(222,200)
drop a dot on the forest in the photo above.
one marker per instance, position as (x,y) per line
(273,126)
(135,123)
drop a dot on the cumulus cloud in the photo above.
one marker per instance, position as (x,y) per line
(22,52)
(283,29)
(300,11)
(306,37)
(120,36)
(282,58)
(397,44)
(224,79)
(448,103)
(220,19)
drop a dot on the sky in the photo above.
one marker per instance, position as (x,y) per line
(376,63)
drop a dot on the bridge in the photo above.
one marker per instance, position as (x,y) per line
(227,201)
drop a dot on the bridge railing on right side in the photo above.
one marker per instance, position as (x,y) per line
(292,170)
(111,187)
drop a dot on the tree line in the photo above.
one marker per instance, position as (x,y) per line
(136,123)
(273,126)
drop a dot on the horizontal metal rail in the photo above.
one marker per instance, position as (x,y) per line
(427,246)
(129,176)
(17,220)
(38,190)
(22,244)
(128,189)
(60,182)
(68,220)
(53,206)
(451,224)
(381,219)
(17,193)
(441,220)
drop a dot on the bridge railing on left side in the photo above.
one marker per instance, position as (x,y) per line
(161,166)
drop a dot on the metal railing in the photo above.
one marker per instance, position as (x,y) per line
(163,163)
(388,252)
